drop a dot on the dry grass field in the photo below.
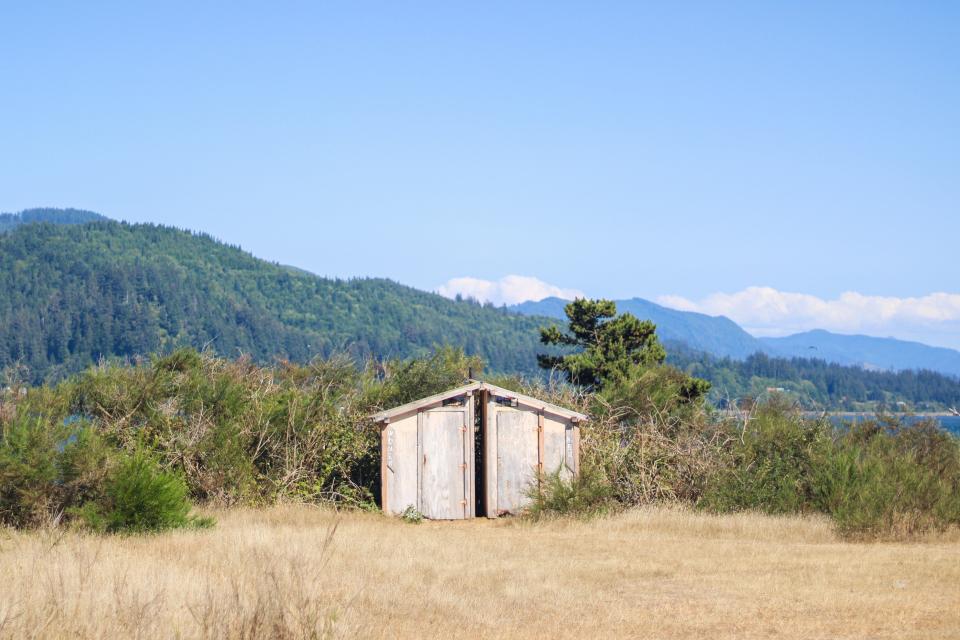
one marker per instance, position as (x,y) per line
(302,572)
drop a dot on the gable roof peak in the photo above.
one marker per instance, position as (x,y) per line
(476,385)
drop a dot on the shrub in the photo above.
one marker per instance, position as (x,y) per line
(583,496)
(411,515)
(883,478)
(408,380)
(769,464)
(50,469)
(651,444)
(879,478)
(138,497)
(239,433)
(29,488)
(84,465)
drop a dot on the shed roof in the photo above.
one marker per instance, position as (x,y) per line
(476,385)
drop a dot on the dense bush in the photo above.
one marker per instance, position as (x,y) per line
(769,465)
(884,478)
(126,447)
(649,441)
(585,495)
(239,433)
(139,496)
(646,444)
(51,469)
(878,478)
(29,472)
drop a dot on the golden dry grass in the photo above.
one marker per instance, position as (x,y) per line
(649,573)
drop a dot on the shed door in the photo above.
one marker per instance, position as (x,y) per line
(443,464)
(517,457)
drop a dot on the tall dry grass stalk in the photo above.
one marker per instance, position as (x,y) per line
(300,572)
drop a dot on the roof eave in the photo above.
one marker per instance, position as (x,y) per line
(474,385)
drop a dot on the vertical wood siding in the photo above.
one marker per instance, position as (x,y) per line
(517,457)
(443,467)
(428,455)
(555,446)
(401,464)
(490,455)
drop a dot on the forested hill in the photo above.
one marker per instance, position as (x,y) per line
(10,221)
(71,294)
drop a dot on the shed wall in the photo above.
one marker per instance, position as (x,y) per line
(402,464)
(555,446)
(517,457)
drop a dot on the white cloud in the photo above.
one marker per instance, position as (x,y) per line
(507,290)
(933,318)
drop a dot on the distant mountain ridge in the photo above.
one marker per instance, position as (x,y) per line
(9,221)
(722,337)
(716,335)
(866,351)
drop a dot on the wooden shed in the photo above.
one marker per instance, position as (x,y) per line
(473,451)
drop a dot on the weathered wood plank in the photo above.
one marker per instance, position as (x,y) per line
(517,457)
(401,464)
(470,444)
(384,476)
(419,460)
(442,476)
(554,445)
(490,455)
(540,445)
(576,448)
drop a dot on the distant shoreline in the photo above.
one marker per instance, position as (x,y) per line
(922,414)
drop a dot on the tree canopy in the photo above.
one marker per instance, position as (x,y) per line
(612,347)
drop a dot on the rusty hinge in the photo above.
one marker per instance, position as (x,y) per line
(463,502)
(463,428)
(464,465)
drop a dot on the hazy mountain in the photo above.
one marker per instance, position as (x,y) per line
(865,351)
(10,221)
(715,335)
(722,337)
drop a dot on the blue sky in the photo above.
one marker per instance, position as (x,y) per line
(675,152)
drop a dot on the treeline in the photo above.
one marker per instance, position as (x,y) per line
(10,221)
(73,295)
(819,385)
